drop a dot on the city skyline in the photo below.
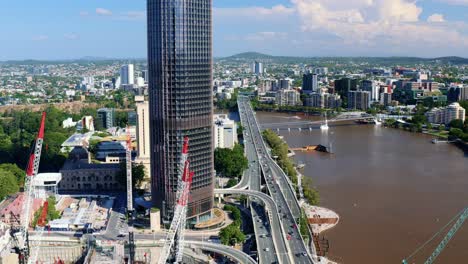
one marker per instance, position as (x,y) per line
(430,28)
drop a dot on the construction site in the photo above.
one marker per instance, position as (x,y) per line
(41,226)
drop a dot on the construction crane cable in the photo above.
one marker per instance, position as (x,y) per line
(436,234)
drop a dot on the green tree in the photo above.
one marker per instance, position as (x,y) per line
(456,123)
(138,174)
(121,118)
(8,183)
(464,104)
(230,163)
(280,149)
(428,126)
(235,213)
(231,183)
(310,193)
(52,212)
(240,129)
(36,216)
(456,132)
(13,168)
(231,235)
(303,222)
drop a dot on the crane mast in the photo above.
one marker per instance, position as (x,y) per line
(177,227)
(130,211)
(31,172)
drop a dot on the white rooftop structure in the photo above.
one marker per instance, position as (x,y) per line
(225,131)
(67,123)
(76,140)
(45,184)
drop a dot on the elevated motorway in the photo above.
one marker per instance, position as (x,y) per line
(64,239)
(266,247)
(235,254)
(280,188)
(277,235)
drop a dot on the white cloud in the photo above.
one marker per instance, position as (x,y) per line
(133,15)
(253,12)
(455,2)
(103,12)
(338,27)
(71,36)
(368,22)
(436,18)
(40,38)
(260,36)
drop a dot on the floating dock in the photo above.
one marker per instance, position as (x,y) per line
(309,148)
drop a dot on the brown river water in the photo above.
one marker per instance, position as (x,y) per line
(392,189)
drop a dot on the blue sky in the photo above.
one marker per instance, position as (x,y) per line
(66,29)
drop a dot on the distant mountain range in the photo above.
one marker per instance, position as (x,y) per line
(86,59)
(390,60)
(252,56)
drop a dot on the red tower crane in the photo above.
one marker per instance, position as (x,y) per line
(180,213)
(21,236)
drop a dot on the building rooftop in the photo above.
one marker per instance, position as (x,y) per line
(83,164)
(77,140)
(43,179)
(16,206)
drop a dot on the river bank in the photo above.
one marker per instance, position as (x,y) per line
(438,134)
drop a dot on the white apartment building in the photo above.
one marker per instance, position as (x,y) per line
(143,130)
(323,100)
(287,97)
(446,114)
(225,131)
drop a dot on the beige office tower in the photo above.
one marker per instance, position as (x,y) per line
(143,138)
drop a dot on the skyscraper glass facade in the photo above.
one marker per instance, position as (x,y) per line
(180,89)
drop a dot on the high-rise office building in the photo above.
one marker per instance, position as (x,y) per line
(386,99)
(310,83)
(359,100)
(180,99)
(322,100)
(143,129)
(344,85)
(372,88)
(127,74)
(257,68)
(106,117)
(144,75)
(457,93)
(284,84)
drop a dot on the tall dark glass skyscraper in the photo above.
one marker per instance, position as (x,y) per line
(180,89)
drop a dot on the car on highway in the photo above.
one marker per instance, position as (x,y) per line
(267,249)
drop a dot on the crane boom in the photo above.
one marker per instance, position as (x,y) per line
(461,217)
(178,222)
(448,237)
(31,172)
